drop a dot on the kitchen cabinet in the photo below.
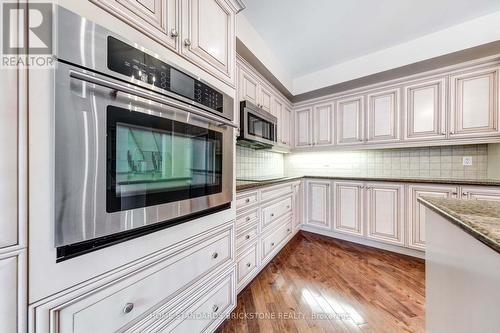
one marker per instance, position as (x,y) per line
(481,193)
(13,306)
(425,110)
(303,127)
(474,103)
(297,206)
(266,100)
(417,211)
(385,206)
(285,118)
(383,116)
(318,209)
(348,208)
(248,87)
(323,124)
(350,120)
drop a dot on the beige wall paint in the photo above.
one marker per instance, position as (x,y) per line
(494,161)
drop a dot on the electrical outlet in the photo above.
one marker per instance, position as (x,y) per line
(467,161)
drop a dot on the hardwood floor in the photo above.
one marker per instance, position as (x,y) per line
(318,284)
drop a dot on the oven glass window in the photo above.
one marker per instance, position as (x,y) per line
(260,128)
(153,160)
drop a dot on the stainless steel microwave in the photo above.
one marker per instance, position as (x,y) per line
(258,128)
(139,143)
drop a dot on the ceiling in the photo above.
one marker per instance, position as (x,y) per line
(308,36)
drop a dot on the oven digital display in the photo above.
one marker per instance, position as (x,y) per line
(133,63)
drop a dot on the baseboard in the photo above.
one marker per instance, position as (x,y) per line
(367,242)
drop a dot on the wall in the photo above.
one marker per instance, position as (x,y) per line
(433,162)
(258,164)
(494,161)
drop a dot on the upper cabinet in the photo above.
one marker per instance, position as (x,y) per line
(425,110)
(266,99)
(474,103)
(383,116)
(323,124)
(303,127)
(202,31)
(248,87)
(350,121)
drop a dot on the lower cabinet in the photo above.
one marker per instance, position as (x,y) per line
(12,290)
(480,193)
(318,204)
(348,208)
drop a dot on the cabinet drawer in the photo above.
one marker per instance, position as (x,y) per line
(247,264)
(273,241)
(207,310)
(276,192)
(276,210)
(110,309)
(246,200)
(247,236)
(246,219)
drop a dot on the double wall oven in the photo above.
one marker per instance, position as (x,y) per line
(139,144)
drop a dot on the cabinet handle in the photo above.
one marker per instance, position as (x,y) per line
(174,33)
(272,215)
(288,230)
(465,194)
(288,206)
(247,200)
(247,237)
(128,308)
(215,255)
(249,265)
(272,244)
(248,218)
(187,42)
(215,308)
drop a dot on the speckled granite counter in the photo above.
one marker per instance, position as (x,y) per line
(481,219)
(248,184)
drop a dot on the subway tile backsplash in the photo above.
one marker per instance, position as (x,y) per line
(258,164)
(428,162)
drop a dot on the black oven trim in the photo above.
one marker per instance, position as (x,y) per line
(114,203)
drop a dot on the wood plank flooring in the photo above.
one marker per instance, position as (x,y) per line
(318,284)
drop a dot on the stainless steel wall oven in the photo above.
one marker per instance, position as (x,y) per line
(139,144)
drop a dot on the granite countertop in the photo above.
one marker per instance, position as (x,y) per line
(250,184)
(481,219)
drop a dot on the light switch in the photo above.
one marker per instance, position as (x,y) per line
(467,161)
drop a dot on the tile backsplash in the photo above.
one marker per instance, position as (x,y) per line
(433,162)
(256,164)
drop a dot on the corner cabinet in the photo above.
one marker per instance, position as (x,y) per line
(202,31)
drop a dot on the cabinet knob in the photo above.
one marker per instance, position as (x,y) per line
(288,230)
(215,255)
(272,244)
(187,42)
(128,308)
(247,237)
(272,215)
(465,194)
(174,33)
(215,308)
(247,200)
(249,265)
(288,206)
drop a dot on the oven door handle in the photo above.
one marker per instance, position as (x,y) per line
(149,96)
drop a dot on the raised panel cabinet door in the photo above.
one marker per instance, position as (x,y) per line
(417,211)
(383,116)
(481,193)
(350,123)
(348,208)
(208,36)
(319,203)
(9,160)
(278,113)
(285,119)
(248,87)
(385,209)
(425,110)
(158,19)
(296,205)
(13,307)
(474,104)
(303,123)
(323,124)
(266,100)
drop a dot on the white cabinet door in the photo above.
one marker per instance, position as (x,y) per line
(350,123)
(158,19)
(13,307)
(208,36)
(416,211)
(383,116)
(385,209)
(8,162)
(266,100)
(248,86)
(284,125)
(425,110)
(323,124)
(297,206)
(348,208)
(481,193)
(474,104)
(303,124)
(319,203)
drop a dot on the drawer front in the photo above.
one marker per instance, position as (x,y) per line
(246,200)
(275,211)
(244,220)
(247,236)
(275,239)
(276,192)
(247,264)
(207,311)
(109,310)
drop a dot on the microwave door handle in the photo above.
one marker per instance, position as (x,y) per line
(149,96)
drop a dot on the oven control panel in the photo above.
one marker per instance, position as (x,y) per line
(132,62)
